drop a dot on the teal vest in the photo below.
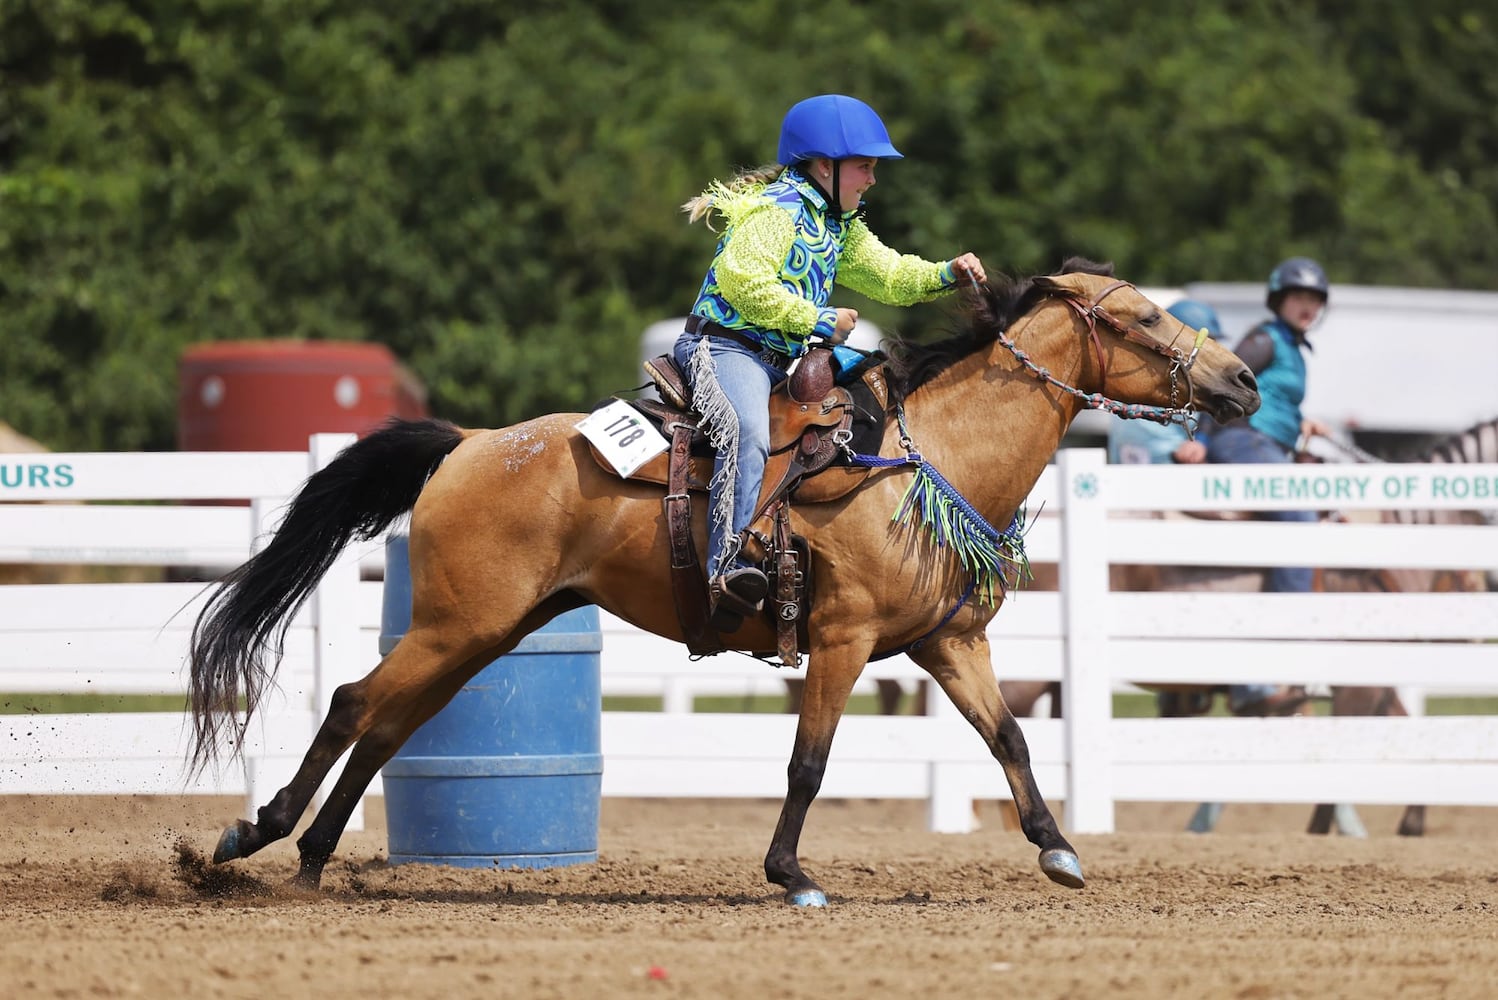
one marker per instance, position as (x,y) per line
(1282,387)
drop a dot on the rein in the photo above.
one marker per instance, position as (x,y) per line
(1352,451)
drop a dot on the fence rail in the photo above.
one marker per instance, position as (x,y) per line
(130,638)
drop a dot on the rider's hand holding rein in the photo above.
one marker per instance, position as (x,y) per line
(1310,428)
(969,268)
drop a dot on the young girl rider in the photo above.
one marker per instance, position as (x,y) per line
(790,230)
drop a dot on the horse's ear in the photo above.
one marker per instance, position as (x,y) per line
(1068,283)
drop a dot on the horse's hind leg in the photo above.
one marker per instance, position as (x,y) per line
(371,753)
(395,706)
(1343,816)
(420,661)
(1368,701)
(962,667)
(344,723)
(1412,823)
(376,701)
(277,817)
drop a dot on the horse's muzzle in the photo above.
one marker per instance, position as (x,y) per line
(1237,397)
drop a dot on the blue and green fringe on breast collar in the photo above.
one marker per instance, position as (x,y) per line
(995,560)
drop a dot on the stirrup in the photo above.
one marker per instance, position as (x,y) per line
(736,595)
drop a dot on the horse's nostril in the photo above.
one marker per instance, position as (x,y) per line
(1247,380)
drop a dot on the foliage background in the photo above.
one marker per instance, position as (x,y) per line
(491,188)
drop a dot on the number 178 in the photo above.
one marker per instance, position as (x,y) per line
(626,430)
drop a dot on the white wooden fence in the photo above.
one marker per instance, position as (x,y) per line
(130,638)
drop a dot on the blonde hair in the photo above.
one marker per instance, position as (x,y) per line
(742,182)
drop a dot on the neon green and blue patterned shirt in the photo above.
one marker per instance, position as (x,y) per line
(781,251)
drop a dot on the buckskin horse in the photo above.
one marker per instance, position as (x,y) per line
(987,407)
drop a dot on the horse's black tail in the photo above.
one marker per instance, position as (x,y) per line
(369,485)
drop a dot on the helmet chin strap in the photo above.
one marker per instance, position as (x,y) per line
(834,204)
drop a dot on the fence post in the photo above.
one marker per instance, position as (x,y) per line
(1087,687)
(335,623)
(262,780)
(950,808)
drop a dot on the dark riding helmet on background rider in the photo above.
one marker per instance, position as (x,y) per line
(834,126)
(1296,274)
(1197,315)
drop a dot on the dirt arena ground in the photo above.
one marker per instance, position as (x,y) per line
(104,897)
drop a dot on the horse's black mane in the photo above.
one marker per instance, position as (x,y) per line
(998,304)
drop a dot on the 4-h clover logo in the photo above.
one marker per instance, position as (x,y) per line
(1085,486)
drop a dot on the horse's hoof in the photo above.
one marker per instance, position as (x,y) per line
(302,882)
(1062,867)
(229,845)
(807,897)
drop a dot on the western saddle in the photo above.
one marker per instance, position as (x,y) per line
(813,421)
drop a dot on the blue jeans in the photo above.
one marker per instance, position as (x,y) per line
(1241,444)
(733,395)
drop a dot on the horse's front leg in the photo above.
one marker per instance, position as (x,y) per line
(830,675)
(961,666)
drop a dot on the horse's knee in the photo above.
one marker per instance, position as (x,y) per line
(804,775)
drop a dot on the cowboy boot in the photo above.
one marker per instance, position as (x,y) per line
(736,595)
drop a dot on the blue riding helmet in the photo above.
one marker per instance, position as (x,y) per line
(835,126)
(1196,315)
(1297,273)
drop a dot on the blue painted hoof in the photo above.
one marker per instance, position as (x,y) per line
(228,845)
(807,897)
(1062,867)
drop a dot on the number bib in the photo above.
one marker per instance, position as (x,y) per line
(623,436)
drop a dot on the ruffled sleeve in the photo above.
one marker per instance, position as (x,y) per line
(873,269)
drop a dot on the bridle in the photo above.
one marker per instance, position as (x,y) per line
(1092,313)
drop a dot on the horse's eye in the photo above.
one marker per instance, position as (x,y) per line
(1153,319)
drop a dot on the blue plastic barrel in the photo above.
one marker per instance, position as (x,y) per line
(509,773)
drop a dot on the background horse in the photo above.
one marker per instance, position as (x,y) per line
(987,407)
(1476,444)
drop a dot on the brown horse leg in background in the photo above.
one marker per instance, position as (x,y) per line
(1022,696)
(1368,701)
(889,694)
